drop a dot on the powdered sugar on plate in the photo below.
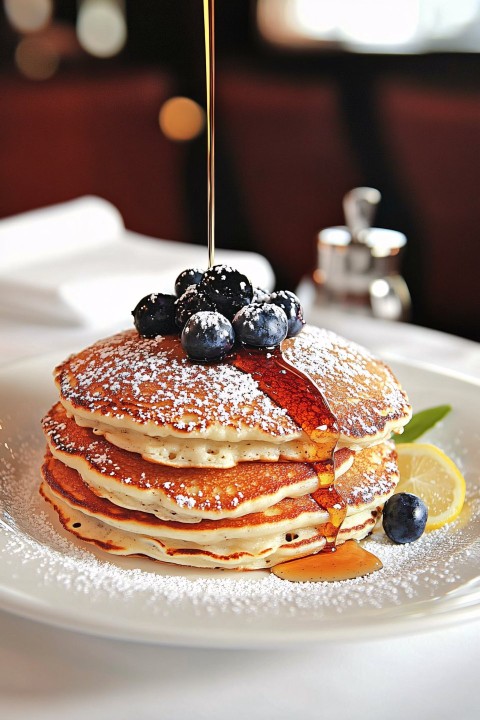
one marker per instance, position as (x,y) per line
(428,567)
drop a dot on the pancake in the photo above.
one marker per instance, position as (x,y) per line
(290,528)
(254,556)
(229,464)
(185,494)
(145,396)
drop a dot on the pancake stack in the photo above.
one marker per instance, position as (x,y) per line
(149,453)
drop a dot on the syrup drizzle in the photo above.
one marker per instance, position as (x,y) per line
(305,404)
(303,401)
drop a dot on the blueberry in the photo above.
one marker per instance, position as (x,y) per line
(227,288)
(404,517)
(260,295)
(155,315)
(261,325)
(292,307)
(207,336)
(192,276)
(192,301)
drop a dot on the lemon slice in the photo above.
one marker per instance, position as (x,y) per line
(427,472)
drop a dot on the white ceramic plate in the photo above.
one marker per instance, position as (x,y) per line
(47,575)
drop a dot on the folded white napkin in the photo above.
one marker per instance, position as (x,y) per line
(76,264)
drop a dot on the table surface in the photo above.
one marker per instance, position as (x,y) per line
(51,673)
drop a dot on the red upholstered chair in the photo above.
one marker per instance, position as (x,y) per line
(77,135)
(291,160)
(433,137)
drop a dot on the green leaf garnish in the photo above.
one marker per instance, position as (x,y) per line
(421,422)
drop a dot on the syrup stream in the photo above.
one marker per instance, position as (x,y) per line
(209,32)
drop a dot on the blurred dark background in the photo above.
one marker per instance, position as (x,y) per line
(298,125)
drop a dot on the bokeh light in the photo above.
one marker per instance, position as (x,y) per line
(319,18)
(36,59)
(181,119)
(28,16)
(389,26)
(101,27)
(380,22)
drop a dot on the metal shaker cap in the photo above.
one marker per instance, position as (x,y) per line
(383,242)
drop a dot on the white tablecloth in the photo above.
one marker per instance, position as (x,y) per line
(46,673)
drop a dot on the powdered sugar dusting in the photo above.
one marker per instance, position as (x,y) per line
(362,392)
(152,381)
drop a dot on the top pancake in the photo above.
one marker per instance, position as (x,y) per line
(149,387)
